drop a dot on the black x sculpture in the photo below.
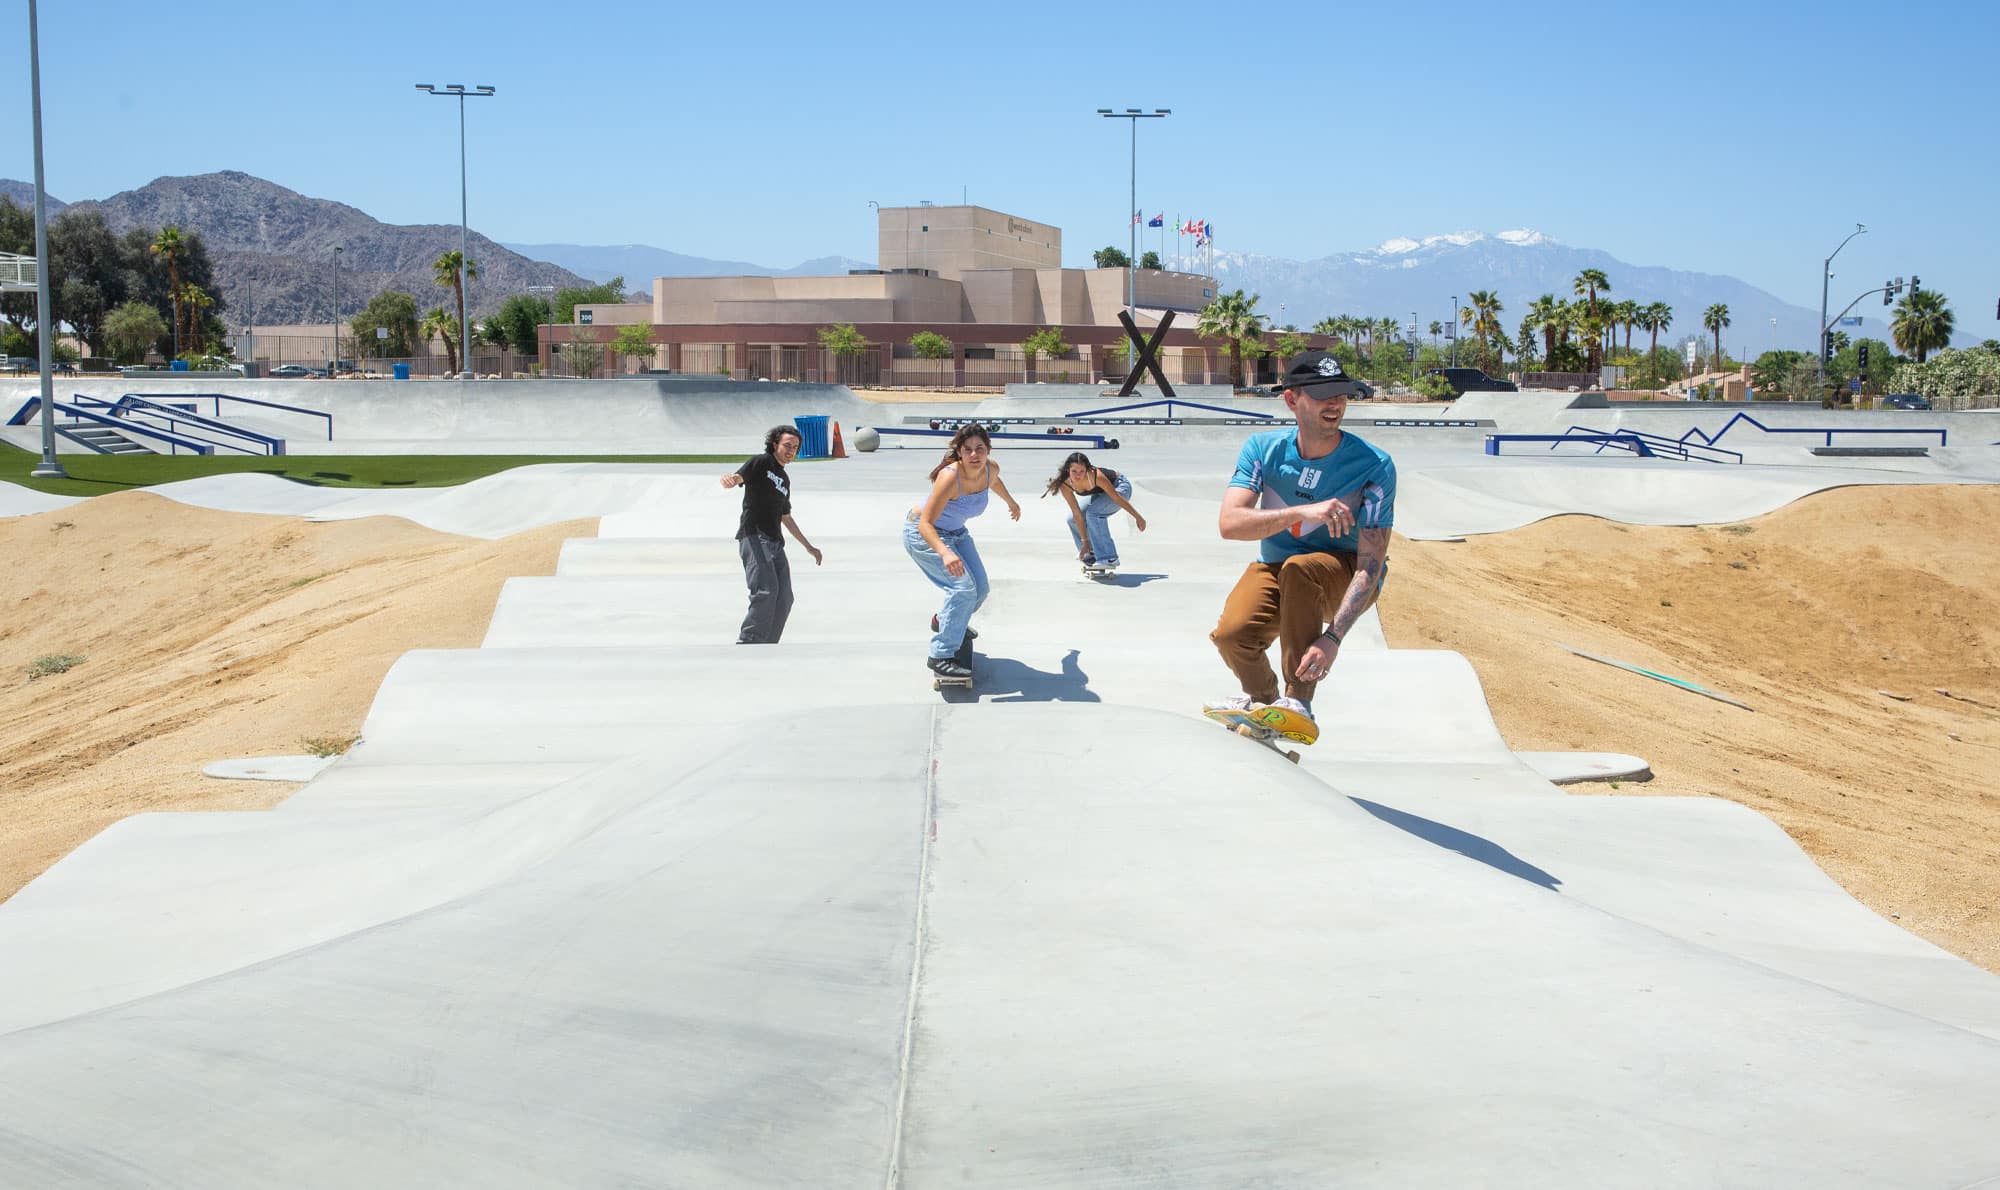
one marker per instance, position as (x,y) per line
(1146,354)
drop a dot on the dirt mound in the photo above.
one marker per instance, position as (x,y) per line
(1804,614)
(207,635)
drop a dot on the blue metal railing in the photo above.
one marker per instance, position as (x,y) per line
(1244,413)
(1675,448)
(132,404)
(1711,439)
(219,398)
(1094,440)
(77,413)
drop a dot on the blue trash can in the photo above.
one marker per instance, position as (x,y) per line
(400,371)
(179,365)
(815,440)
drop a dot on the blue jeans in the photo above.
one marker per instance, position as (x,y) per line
(963,595)
(1097,514)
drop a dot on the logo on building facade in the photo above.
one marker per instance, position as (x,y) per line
(1017,225)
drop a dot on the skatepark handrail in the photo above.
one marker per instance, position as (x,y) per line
(1676,447)
(1094,440)
(1624,439)
(136,403)
(219,398)
(124,425)
(1711,439)
(1249,413)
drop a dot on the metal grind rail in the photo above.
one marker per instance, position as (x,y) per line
(77,413)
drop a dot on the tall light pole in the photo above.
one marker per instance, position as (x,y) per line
(1132,265)
(464,328)
(333,361)
(551,291)
(1825,275)
(1451,330)
(48,468)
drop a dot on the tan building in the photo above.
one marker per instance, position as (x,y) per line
(983,279)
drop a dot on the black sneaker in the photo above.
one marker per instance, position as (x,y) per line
(971,633)
(948,667)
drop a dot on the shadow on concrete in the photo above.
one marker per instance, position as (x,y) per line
(1124,579)
(1470,846)
(1003,679)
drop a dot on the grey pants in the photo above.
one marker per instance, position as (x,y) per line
(768,573)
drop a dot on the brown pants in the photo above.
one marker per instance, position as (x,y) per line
(1290,602)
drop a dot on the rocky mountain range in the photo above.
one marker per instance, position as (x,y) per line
(273,253)
(1403,276)
(273,248)
(639,263)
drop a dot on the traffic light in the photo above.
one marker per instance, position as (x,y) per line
(1888,291)
(1861,356)
(1913,284)
(1825,347)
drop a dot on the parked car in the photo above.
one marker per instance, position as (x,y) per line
(1472,380)
(293,370)
(1902,401)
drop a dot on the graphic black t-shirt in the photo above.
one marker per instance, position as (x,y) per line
(767,497)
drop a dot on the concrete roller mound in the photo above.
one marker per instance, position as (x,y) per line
(613,901)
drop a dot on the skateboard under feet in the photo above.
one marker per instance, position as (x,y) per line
(1266,724)
(963,657)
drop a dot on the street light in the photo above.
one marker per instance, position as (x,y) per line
(1825,275)
(461,93)
(1132,265)
(48,468)
(1451,330)
(333,362)
(550,290)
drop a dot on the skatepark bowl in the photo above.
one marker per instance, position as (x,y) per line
(612,901)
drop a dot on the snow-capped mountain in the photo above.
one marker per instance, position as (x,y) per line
(1405,275)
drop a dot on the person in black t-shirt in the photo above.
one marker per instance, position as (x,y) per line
(767,504)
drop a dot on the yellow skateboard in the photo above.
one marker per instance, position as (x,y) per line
(1265,723)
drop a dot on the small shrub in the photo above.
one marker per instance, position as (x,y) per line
(327,745)
(1739,529)
(54,663)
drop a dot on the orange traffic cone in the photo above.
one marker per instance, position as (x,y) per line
(839,448)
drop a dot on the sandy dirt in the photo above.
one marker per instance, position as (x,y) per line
(209,635)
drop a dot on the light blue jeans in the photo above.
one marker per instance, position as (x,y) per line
(963,595)
(1097,514)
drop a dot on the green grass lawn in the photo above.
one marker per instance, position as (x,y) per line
(95,475)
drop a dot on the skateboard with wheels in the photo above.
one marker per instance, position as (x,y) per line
(963,657)
(1094,571)
(1267,725)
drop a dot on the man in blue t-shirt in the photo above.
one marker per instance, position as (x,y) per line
(1321,501)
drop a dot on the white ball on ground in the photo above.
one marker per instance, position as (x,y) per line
(866,438)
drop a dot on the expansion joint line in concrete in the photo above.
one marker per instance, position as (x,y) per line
(893,1177)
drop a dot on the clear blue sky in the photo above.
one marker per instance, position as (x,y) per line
(1731,138)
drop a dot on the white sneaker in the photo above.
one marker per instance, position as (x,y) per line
(1294,706)
(1235,702)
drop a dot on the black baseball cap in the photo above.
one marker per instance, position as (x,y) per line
(1318,369)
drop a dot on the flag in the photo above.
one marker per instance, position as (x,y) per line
(1159,220)
(1137,218)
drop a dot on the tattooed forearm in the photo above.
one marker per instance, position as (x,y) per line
(1371,562)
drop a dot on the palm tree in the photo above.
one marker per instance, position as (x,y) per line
(1923,323)
(170,246)
(1544,313)
(444,272)
(1656,318)
(194,300)
(1628,314)
(438,324)
(1591,282)
(1233,317)
(1485,321)
(1437,328)
(1328,326)
(1715,318)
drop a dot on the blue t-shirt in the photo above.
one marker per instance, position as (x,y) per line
(1359,475)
